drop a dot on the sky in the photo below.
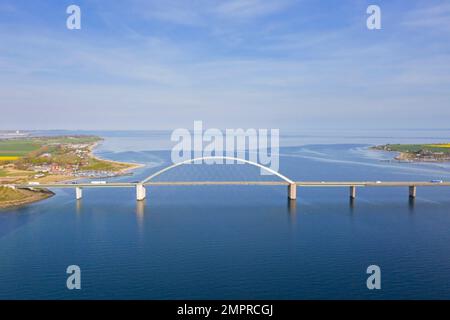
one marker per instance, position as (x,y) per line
(285,64)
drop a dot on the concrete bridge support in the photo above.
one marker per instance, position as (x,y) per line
(412,192)
(352,192)
(78,193)
(292,191)
(140,192)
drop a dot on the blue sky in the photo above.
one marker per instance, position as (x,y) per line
(161,64)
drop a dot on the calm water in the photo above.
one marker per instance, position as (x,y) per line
(238,242)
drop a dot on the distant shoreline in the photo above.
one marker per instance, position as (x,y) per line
(418,153)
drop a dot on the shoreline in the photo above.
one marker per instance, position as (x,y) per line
(132,165)
(42,194)
(407,157)
(414,156)
(33,196)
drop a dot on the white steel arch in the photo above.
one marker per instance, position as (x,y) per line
(218,158)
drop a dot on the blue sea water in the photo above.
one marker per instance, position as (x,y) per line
(222,242)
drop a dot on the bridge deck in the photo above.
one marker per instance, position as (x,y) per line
(235,183)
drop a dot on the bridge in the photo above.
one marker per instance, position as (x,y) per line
(284,181)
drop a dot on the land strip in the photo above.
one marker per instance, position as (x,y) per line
(42,160)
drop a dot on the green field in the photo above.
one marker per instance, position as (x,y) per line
(24,146)
(414,148)
(67,139)
(17,148)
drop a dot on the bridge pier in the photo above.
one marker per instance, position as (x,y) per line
(140,192)
(412,192)
(78,193)
(292,191)
(353,192)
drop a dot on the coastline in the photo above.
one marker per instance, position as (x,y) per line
(408,157)
(33,196)
(413,156)
(132,165)
(403,156)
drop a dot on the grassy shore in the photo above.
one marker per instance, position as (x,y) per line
(438,152)
(15,197)
(48,160)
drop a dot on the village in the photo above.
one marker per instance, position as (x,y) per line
(49,159)
(81,158)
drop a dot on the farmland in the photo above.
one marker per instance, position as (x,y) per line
(50,159)
(439,152)
(17,148)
